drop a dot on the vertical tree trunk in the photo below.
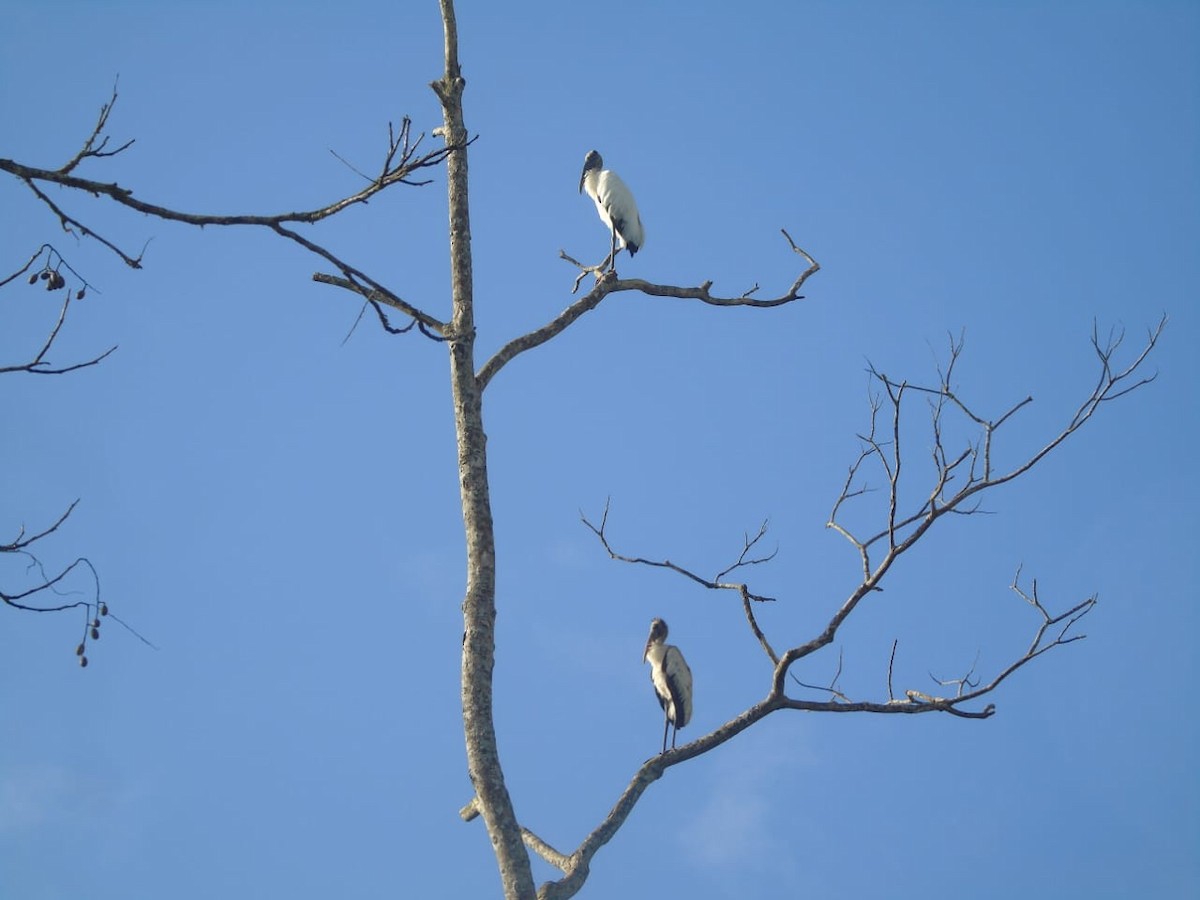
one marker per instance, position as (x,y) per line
(479,604)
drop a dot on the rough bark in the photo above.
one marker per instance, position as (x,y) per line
(479,603)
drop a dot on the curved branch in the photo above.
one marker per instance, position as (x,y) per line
(400,162)
(71,226)
(395,174)
(21,541)
(608,283)
(375,295)
(38,365)
(703,292)
(649,772)
(1111,384)
(51,274)
(748,598)
(1052,632)
(49,583)
(551,329)
(575,866)
(712,584)
(90,148)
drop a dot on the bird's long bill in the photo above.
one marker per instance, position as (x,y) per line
(646,652)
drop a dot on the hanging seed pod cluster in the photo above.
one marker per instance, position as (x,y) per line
(51,273)
(91,631)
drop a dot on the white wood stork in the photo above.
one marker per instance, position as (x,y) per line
(615,203)
(672,680)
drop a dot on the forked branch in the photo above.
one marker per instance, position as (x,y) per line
(401,161)
(961,474)
(973,469)
(714,583)
(45,593)
(608,283)
(50,273)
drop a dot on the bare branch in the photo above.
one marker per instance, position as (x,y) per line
(747,545)
(28,265)
(50,583)
(605,270)
(22,541)
(915,524)
(551,329)
(401,161)
(575,866)
(90,148)
(608,283)
(716,583)
(870,448)
(72,226)
(748,610)
(891,666)
(649,772)
(54,264)
(396,173)
(970,472)
(560,861)
(703,291)
(39,366)
(33,597)
(832,688)
(903,529)
(50,273)
(376,294)
(712,584)
(962,682)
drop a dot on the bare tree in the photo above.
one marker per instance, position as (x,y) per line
(910,501)
(42,590)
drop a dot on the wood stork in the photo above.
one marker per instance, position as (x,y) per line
(614,201)
(672,680)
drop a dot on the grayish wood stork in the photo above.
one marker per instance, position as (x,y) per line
(614,201)
(672,680)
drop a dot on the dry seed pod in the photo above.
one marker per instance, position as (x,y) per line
(79,650)
(95,634)
(83,661)
(45,275)
(95,623)
(33,278)
(104,609)
(79,294)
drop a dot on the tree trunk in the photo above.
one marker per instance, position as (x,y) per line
(479,604)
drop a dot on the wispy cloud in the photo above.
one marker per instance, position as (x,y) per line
(740,819)
(41,794)
(34,795)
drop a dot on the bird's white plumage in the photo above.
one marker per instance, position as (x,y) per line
(672,680)
(614,202)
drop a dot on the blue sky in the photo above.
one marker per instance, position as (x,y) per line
(278,512)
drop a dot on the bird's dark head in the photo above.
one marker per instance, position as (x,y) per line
(591,163)
(658,634)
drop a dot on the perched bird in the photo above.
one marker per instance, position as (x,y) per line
(614,201)
(672,680)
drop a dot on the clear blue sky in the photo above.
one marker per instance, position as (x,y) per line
(278,512)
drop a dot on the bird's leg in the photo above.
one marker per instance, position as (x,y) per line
(612,256)
(666,725)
